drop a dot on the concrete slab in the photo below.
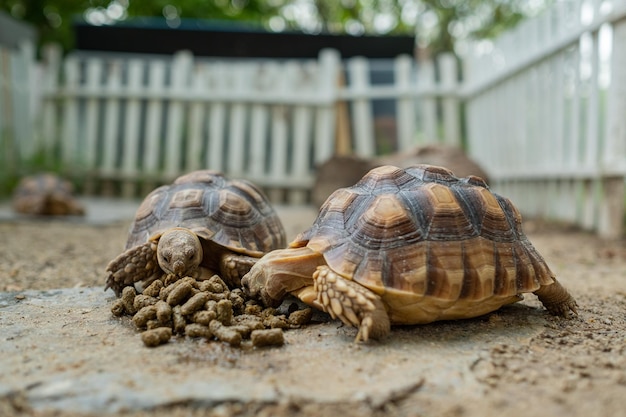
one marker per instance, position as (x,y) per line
(63,350)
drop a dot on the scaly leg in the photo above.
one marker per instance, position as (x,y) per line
(136,264)
(352,303)
(556,299)
(234,266)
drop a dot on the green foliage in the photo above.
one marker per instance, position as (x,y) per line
(439,24)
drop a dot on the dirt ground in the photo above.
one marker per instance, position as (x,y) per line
(572,367)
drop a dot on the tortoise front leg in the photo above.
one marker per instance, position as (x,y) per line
(234,266)
(352,303)
(134,265)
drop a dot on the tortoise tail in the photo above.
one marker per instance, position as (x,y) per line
(556,299)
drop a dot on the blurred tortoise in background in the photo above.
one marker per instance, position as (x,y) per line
(345,170)
(410,246)
(46,194)
(202,224)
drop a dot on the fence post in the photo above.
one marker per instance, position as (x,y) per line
(49,87)
(613,155)
(325,123)
(405,103)
(362,123)
(426,82)
(450,103)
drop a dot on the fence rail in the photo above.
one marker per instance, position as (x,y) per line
(142,120)
(544,115)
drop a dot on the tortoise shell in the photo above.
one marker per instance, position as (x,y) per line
(417,233)
(46,194)
(232,213)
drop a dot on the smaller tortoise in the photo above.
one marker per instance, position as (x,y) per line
(46,195)
(200,225)
(409,246)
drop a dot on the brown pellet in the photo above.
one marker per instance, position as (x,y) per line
(179,294)
(153,289)
(225,333)
(142,300)
(225,312)
(178,320)
(153,324)
(194,304)
(128,299)
(171,286)
(301,317)
(156,337)
(163,312)
(276,322)
(198,330)
(267,337)
(203,317)
(117,308)
(142,316)
(252,308)
(250,321)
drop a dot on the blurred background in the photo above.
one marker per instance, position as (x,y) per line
(121,96)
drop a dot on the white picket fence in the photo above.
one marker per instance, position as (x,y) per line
(141,120)
(17,118)
(545,108)
(546,112)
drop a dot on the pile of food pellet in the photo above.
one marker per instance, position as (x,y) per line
(207,309)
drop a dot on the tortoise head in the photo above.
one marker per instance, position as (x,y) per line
(179,252)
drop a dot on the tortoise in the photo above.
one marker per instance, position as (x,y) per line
(409,246)
(46,194)
(200,225)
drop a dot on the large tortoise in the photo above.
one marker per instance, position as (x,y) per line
(410,246)
(46,194)
(201,224)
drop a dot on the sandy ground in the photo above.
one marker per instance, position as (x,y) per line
(571,367)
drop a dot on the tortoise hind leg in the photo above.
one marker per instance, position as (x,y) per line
(556,299)
(353,304)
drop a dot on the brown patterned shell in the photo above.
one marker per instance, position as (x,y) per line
(46,194)
(232,213)
(421,234)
